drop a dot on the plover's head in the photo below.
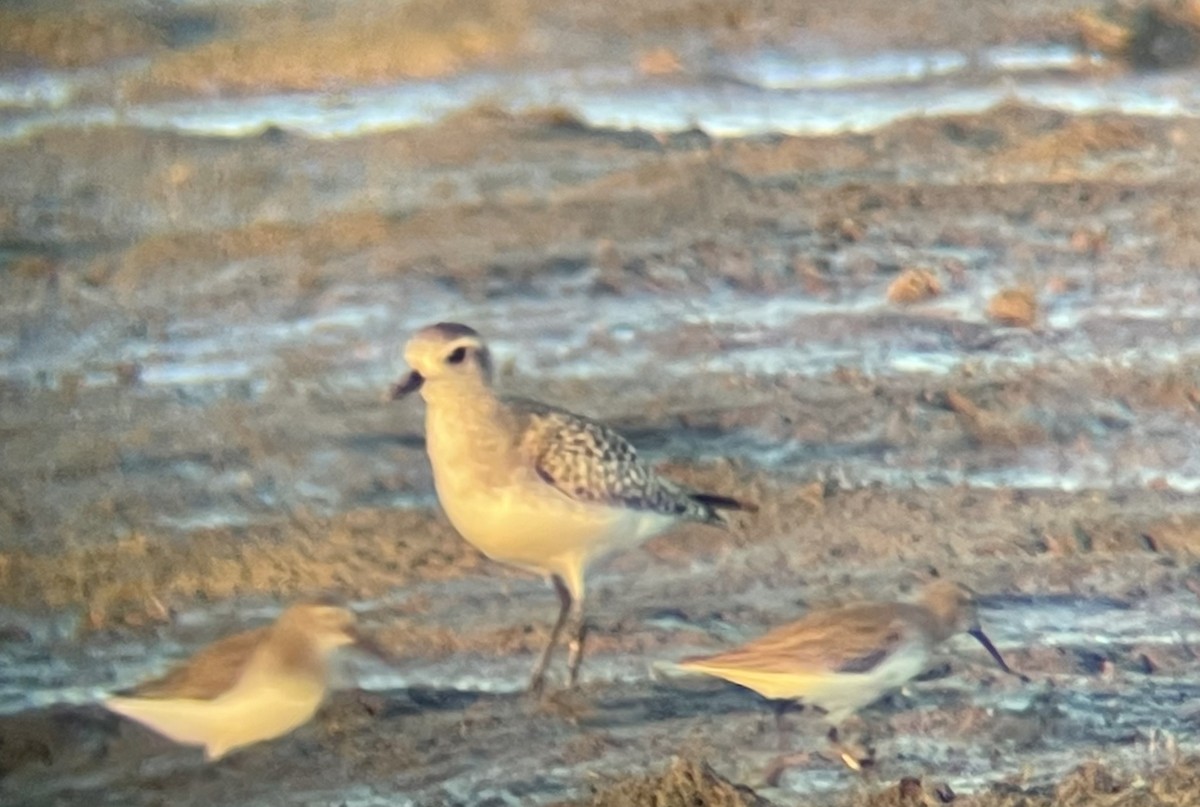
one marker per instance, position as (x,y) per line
(445,351)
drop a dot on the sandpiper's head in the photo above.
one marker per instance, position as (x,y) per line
(953,606)
(326,627)
(445,351)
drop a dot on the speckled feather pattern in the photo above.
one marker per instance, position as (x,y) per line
(590,462)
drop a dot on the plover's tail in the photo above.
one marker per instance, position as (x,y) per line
(714,503)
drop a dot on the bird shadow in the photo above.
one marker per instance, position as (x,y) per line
(656,702)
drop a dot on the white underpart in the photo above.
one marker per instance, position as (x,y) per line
(258,707)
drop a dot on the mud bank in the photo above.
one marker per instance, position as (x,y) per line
(959,336)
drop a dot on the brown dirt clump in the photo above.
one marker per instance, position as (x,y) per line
(913,286)
(909,792)
(685,783)
(1089,785)
(1100,33)
(356,43)
(741,22)
(659,61)
(990,428)
(1178,234)
(77,38)
(1094,785)
(1148,35)
(1016,307)
(1090,242)
(1066,146)
(1175,535)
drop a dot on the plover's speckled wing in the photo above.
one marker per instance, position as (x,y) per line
(210,672)
(590,462)
(854,639)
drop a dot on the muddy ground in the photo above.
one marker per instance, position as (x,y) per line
(963,344)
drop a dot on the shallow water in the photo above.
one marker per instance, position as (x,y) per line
(760,92)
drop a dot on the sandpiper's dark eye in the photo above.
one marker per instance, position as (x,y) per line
(457,355)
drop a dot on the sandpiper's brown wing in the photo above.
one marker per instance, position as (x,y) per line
(853,639)
(207,674)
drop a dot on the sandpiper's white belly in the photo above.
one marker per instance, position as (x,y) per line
(251,711)
(844,694)
(840,694)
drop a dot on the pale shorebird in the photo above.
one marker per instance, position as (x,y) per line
(842,659)
(534,486)
(249,687)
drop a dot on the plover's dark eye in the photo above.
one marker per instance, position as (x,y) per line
(457,355)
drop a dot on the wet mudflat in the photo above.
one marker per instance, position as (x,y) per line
(926,293)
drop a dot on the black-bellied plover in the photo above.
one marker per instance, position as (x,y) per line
(535,486)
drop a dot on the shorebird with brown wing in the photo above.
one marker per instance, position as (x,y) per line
(842,659)
(252,686)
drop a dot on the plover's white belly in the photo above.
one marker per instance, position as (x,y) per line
(494,497)
(543,529)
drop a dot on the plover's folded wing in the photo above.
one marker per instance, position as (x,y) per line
(590,462)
